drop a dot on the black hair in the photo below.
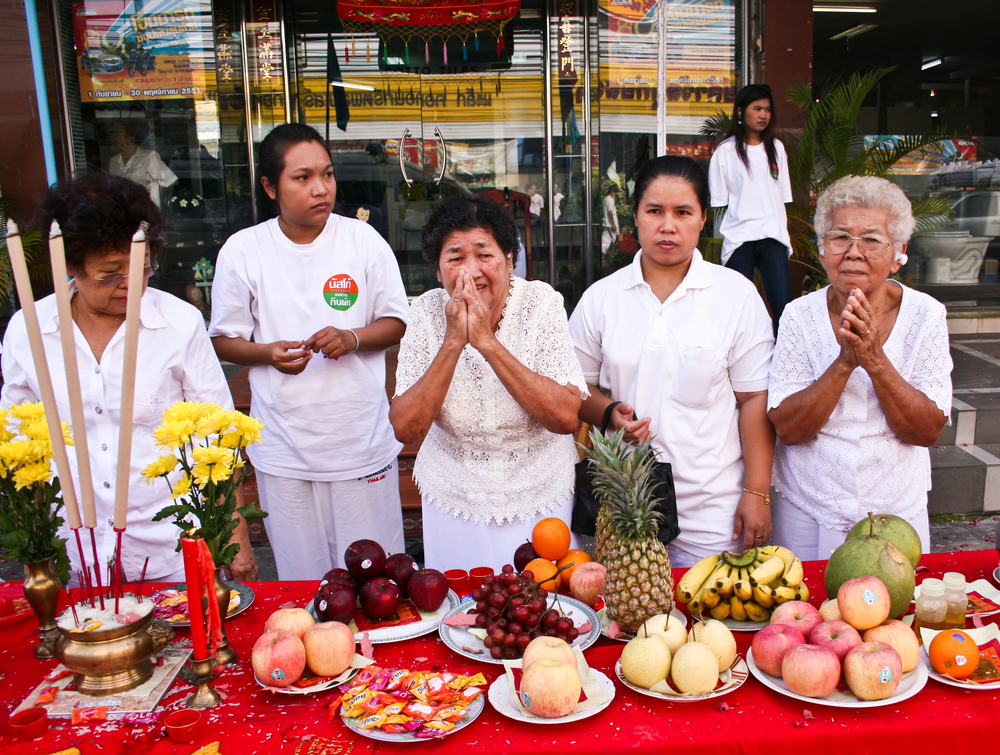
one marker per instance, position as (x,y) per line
(99,213)
(135,131)
(671,166)
(464,214)
(271,161)
(737,128)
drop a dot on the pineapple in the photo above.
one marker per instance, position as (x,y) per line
(639,582)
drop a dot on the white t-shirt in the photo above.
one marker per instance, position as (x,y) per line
(856,463)
(610,215)
(680,363)
(176,363)
(144,167)
(755,199)
(557,205)
(537,203)
(331,421)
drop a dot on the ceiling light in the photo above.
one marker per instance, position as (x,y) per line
(345,85)
(844,9)
(854,31)
(931,64)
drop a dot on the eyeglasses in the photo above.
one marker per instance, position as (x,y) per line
(870,245)
(115,280)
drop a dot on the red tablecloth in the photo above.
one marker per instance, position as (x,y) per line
(252,720)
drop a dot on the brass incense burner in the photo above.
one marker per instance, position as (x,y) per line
(107,662)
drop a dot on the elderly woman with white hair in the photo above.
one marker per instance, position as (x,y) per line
(860,381)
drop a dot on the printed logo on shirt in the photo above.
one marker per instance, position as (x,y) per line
(341,292)
(376,476)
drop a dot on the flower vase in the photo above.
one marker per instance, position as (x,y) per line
(225,654)
(42,590)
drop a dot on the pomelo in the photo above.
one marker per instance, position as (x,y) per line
(895,529)
(873,555)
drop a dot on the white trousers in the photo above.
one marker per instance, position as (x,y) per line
(812,541)
(450,542)
(310,524)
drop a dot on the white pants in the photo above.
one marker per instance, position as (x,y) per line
(812,541)
(310,524)
(607,238)
(450,542)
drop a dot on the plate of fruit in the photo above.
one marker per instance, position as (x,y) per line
(171,603)
(309,683)
(386,597)
(742,589)
(968,659)
(509,611)
(550,694)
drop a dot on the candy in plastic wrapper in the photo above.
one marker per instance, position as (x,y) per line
(397,719)
(450,713)
(57,674)
(137,719)
(394,729)
(87,626)
(45,695)
(366,674)
(420,710)
(82,715)
(373,721)
(356,700)
(372,705)
(394,708)
(469,694)
(396,679)
(476,680)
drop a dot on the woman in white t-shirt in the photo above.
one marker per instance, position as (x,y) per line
(749,176)
(306,283)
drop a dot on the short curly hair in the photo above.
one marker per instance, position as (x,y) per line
(872,192)
(99,213)
(464,214)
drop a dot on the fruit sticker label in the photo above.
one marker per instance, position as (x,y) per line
(525,700)
(366,564)
(277,675)
(961,660)
(885,675)
(322,605)
(869,597)
(340,292)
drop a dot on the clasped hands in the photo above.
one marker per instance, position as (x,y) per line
(469,317)
(292,357)
(860,343)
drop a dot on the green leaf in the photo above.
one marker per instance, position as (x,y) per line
(251,512)
(181,510)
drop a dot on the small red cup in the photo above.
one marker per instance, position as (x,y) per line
(477,575)
(182,725)
(458,580)
(30,723)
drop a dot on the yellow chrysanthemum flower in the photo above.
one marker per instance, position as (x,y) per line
(29,474)
(184,411)
(248,427)
(162,466)
(231,439)
(16,452)
(214,423)
(212,464)
(172,435)
(182,487)
(29,410)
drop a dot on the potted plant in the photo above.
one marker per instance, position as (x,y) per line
(29,513)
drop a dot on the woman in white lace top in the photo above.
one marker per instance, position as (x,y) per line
(860,381)
(488,380)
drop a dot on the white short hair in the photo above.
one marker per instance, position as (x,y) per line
(867,191)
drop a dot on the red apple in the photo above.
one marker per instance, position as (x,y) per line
(798,614)
(864,602)
(428,588)
(365,559)
(547,647)
(830,610)
(837,635)
(810,670)
(586,582)
(550,689)
(278,658)
(901,637)
(296,620)
(340,577)
(399,567)
(380,597)
(335,603)
(329,648)
(873,670)
(770,645)
(524,555)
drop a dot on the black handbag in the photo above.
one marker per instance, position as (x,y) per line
(586,506)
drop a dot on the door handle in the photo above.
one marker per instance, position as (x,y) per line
(402,149)
(444,156)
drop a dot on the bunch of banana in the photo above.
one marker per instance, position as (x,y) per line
(742,586)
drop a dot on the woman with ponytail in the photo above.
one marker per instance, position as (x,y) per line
(749,176)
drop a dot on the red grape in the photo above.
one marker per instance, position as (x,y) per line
(511,653)
(502,622)
(496,652)
(488,642)
(488,581)
(497,599)
(572,634)
(493,612)
(515,627)
(491,627)
(543,593)
(514,589)
(536,605)
(528,575)
(482,606)
(522,641)
(481,620)
(510,640)
(507,569)
(516,603)
(549,618)
(564,624)
(532,620)
(498,636)
(551,633)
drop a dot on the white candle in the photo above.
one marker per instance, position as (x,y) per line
(57,254)
(135,281)
(23,283)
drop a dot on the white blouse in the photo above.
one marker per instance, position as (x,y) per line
(856,463)
(485,457)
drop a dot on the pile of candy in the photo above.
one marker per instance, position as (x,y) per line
(397,701)
(172,605)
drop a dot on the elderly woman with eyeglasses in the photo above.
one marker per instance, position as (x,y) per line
(860,382)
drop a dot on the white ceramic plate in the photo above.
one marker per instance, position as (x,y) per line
(732,680)
(980,586)
(428,623)
(910,685)
(996,574)
(745,626)
(499,694)
(926,662)
(606,622)
(471,713)
(465,643)
(330,683)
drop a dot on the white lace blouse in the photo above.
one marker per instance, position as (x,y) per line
(485,458)
(856,463)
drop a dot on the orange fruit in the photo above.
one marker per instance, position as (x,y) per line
(575,557)
(550,538)
(543,571)
(953,653)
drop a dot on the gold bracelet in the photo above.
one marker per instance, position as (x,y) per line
(765,496)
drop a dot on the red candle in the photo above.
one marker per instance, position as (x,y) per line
(195,591)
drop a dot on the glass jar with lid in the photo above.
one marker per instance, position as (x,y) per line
(957,599)
(932,607)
